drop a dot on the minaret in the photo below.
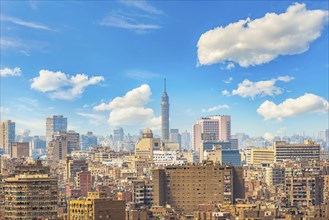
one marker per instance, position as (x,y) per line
(165,114)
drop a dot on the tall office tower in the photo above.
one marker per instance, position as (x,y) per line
(117,137)
(165,114)
(7,135)
(55,123)
(88,140)
(57,147)
(20,149)
(212,128)
(175,137)
(96,206)
(73,141)
(203,184)
(186,140)
(31,194)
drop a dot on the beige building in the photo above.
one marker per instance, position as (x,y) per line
(96,207)
(146,145)
(260,156)
(7,135)
(20,149)
(57,147)
(186,186)
(307,151)
(31,194)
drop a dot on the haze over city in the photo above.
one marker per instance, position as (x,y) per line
(263,63)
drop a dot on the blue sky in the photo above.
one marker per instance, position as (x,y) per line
(102,64)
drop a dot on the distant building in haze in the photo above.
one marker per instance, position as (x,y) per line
(186,140)
(88,140)
(165,114)
(55,123)
(175,137)
(73,141)
(7,135)
(118,135)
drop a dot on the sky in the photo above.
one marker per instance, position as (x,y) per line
(102,64)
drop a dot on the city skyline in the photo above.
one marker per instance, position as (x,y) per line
(106,69)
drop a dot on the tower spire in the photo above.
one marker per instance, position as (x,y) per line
(165,85)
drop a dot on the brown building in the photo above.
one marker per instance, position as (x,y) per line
(84,182)
(20,149)
(96,207)
(30,195)
(185,187)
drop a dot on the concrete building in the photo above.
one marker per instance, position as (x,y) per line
(7,135)
(88,140)
(84,182)
(118,135)
(165,114)
(55,123)
(73,167)
(31,194)
(307,151)
(142,193)
(96,207)
(212,128)
(73,141)
(145,146)
(203,184)
(57,147)
(262,156)
(20,149)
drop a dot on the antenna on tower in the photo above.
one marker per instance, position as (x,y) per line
(164,84)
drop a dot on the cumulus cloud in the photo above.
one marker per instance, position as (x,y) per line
(308,103)
(215,108)
(10,72)
(254,42)
(226,93)
(59,85)
(130,109)
(251,89)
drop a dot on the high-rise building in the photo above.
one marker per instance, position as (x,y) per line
(95,207)
(175,137)
(203,184)
(117,137)
(165,114)
(84,182)
(7,135)
(212,128)
(20,149)
(88,140)
(57,147)
(31,194)
(186,140)
(73,141)
(55,123)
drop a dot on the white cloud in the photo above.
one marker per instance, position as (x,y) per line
(230,66)
(229,80)
(93,118)
(28,24)
(308,103)
(130,109)
(58,85)
(254,42)
(10,72)
(139,74)
(215,108)
(251,89)
(127,22)
(268,136)
(142,5)
(226,93)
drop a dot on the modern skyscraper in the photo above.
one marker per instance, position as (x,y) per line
(212,128)
(55,123)
(7,135)
(73,141)
(165,114)
(88,140)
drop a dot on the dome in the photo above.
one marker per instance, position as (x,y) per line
(147,133)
